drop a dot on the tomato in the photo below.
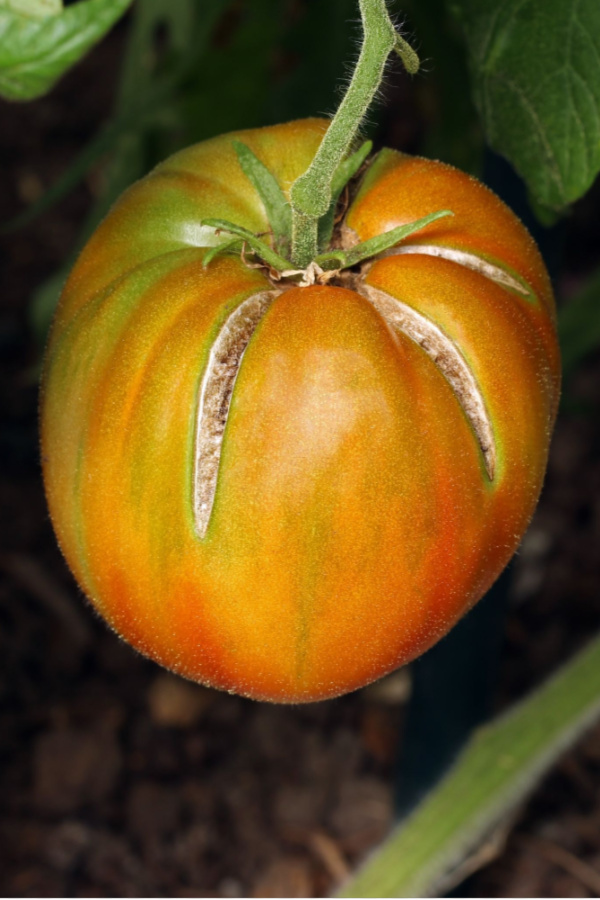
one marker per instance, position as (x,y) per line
(288,491)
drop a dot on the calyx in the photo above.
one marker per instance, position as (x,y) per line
(332,257)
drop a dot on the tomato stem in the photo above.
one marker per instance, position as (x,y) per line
(311,193)
(305,234)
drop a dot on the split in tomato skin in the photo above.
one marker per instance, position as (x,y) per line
(354,520)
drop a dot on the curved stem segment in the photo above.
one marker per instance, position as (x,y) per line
(311,193)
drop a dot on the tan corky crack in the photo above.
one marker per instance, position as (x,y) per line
(447,358)
(462,258)
(215,397)
(226,356)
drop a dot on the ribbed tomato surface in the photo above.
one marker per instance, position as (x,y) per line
(375,473)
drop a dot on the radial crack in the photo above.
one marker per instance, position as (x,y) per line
(215,399)
(447,358)
(468,260)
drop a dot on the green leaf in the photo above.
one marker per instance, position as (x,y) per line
(579,324)
(535,69)
(501,765)
(34,9)
(276,206)
(230,86)
(35,52)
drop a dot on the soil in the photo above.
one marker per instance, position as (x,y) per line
(120,780)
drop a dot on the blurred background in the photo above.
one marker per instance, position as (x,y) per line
(118,779)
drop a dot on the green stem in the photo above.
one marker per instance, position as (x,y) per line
(496,771)
(305,234)
(311,192)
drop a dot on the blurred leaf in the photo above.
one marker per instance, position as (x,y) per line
(579,324)
(35,52)
(500,766)
(535,71)
(144,62)
(158,75)
(166,39)
(230,84)
(34,9)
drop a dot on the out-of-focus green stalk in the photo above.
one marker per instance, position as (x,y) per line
(499,767)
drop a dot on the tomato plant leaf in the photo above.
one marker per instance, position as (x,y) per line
(34,9)
(535,71)
(230,88)
(276,206)
(35,51)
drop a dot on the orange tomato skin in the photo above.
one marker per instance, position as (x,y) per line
(354,521)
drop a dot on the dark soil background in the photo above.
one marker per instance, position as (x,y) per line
(118,779)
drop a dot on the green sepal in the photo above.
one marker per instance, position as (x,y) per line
(218,249)
(376,245)
(343,174)
(348,169)
(261,249)
(409,57)
(276,205)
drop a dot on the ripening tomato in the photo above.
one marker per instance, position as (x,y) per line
(288,490)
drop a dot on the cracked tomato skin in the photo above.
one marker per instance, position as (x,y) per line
(354,521)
